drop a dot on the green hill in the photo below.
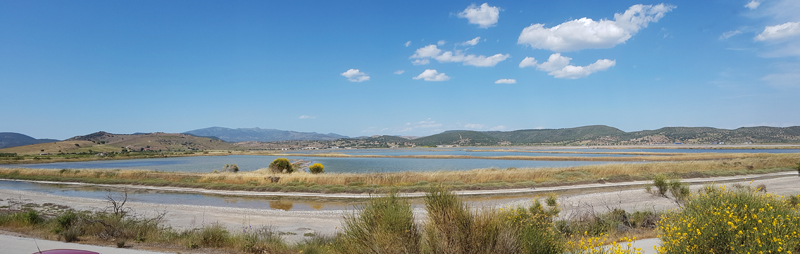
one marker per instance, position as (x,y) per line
(108,142)
(605,135)
(11,139)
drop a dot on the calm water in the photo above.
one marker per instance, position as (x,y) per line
(158,197)
(332,165)
(369,165)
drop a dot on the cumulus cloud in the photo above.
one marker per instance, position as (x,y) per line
(506,81)
(585,33)
(421,62)
(441,42)
(752,4)
(307,117)
(472,42)
(407,43)
(427,51)
(484,16)
(457,56)
(354,75)
(729,34)
(432,75)
(778,32)
(558,66)
(528,62)
(398,72)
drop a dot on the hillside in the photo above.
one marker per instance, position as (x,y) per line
(108,142)
(261,135)
(11,139)
(367,142)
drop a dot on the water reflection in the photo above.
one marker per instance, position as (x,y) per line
(281,204)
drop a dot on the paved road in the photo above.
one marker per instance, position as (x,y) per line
(19,245)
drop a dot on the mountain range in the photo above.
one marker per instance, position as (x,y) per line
(11,139)
(218,138)
(261,135)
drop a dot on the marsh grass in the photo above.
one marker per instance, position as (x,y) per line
(416,181)
(652,157)
(383,225)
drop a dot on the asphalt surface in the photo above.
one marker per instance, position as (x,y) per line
(19,245)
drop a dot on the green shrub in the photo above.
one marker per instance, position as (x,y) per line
(385,225)
(677,190)
(281,165)
(316,168)
(731,221)
(534,228)
(214,236)
(64,221)
(798,167)
(452,228)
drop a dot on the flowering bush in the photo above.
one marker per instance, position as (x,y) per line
(316,168)
(732,221)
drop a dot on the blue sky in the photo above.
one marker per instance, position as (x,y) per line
(395,67)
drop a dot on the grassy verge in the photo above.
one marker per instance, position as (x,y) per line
(651,158)
(414,181)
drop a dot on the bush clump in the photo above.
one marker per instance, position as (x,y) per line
(385,225)
(281,165)
(731,221)
(316,168)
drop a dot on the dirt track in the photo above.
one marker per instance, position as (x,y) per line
(630,197)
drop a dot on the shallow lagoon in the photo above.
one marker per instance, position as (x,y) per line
(332,164)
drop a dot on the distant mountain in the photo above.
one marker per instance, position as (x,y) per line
(605,135)
(109,142)
(11,139)
(261,135)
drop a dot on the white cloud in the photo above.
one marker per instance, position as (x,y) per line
(432,75)
(729,34)
(479,127)
(777,32)
(585,33)
(783,80)
(307,117)
(558,66)
(784,76)
(528,61)
(473,126)
(457,56)
(484,16)
(407,43)
(398,72)
(427,51)
(752,4)
(424,124)
(497,128)
(421,62)
(354,75)
(441,42)
(472,42)
(506,81)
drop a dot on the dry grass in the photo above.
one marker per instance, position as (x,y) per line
(483,178)
(671,157)
(577,152)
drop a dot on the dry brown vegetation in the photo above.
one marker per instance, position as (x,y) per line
(470,179)
(672,157)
